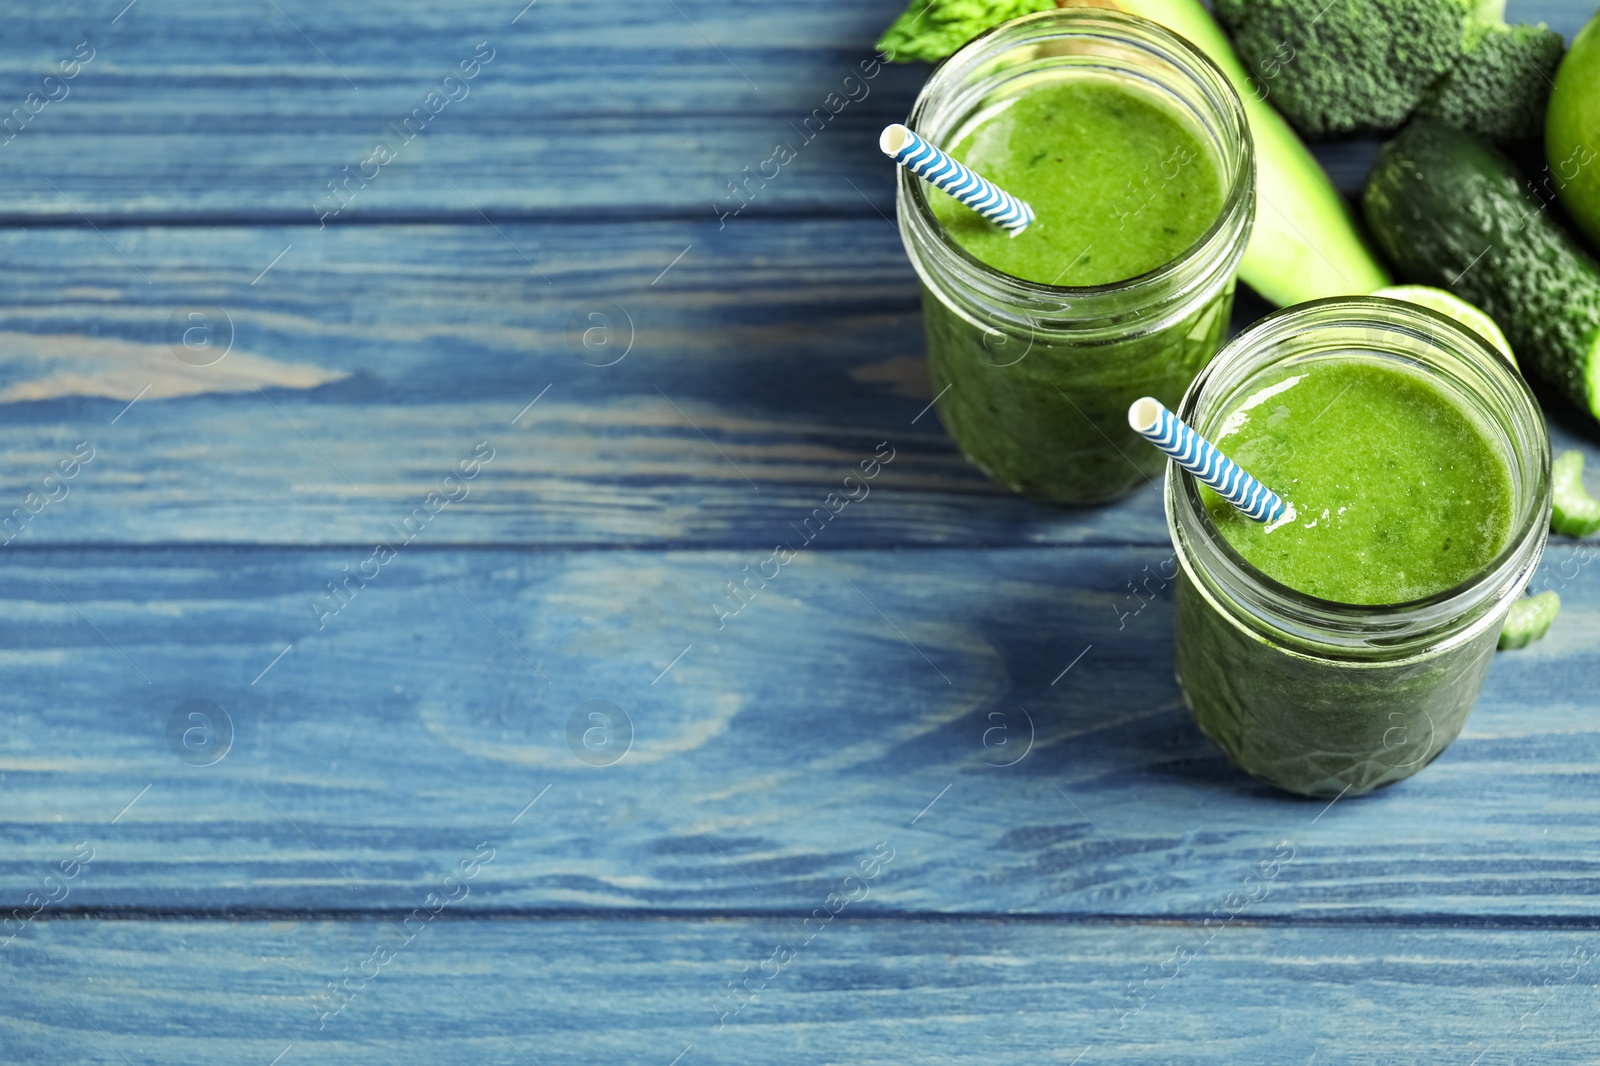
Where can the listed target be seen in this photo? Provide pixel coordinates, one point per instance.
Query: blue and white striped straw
(1197, 455)
(966, 185)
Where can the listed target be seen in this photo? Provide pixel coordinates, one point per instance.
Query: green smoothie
(1121, 184)
(1397, 493)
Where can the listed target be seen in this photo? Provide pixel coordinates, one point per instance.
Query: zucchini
(1573, 511)
(1451, 211)
(1529, 620)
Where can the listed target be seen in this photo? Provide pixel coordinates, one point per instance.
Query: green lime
(1572, 130)
(1453, 307)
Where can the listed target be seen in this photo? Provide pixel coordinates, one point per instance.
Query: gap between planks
(572, 547)
(295, 220)
(1506, 922)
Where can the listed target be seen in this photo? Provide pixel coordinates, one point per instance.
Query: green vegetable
(1502, 85)
(1572, 131)
(932, 29)
(1529, 620)
(1573, 511)
(1454, 307)
(1351, 65)
(1452, 211)
(1304, 244)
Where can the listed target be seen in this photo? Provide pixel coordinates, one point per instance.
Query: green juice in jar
(1341, 647)
(1119, 184)
(1398, 494)
(1133, 152)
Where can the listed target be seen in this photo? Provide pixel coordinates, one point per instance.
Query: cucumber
(1529, 620)
(1451, 211)
(1573, 511)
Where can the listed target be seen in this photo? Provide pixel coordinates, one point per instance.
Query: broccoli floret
(1342, 66)
(932, 29)
(1502, 85)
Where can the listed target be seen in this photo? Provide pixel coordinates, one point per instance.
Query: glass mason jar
(1034, 381)
(1323, 698)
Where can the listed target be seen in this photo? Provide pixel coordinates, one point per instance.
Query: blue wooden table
(384, 444)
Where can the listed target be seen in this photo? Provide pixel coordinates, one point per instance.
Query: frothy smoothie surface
(1398, 492)
(1118, 182)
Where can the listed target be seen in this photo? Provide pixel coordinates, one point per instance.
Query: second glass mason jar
(1323, 698)
(1032, 380)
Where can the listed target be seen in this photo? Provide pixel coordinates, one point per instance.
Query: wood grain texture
(867, 694)
(758, 373)
(859, 992)
(860, 696)
(194, 111)
(764, 366)
(262, 108)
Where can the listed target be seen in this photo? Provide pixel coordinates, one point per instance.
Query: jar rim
(981, 49)
(1524, 542)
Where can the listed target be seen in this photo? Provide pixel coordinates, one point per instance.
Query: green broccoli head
(932, 29)
(1342, 66)
(1502, 85)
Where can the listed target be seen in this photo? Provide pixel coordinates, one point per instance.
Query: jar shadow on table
(1093, 700)
(1091, 689)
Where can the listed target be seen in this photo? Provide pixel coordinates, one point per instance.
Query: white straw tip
(893, 138)
(1144, 413)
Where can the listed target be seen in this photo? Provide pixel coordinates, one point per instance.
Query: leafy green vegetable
(1573, 511)
(1359, 65)
(1502, 85)
(930, 30)
(1529, 620)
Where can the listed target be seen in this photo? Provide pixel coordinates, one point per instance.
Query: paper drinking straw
(972, 189)
(1197, 455)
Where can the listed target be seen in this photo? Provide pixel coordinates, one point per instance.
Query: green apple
(1572, 130)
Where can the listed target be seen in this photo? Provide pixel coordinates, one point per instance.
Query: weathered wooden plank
(261, 110)
(764, 367)
(759, 372)
(565, 102)
(857, 991)
(858, 697)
